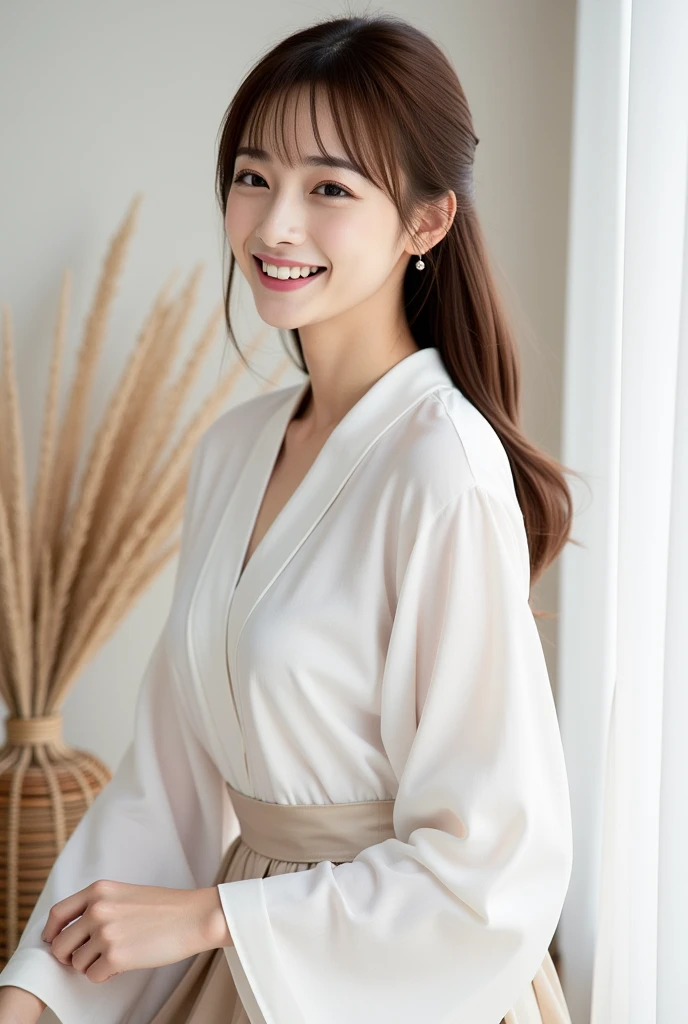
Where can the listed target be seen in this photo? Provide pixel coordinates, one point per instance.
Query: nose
(283, 221)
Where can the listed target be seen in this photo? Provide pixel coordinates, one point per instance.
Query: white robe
(379, 645)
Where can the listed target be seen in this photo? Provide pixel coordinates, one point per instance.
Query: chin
(280, 323)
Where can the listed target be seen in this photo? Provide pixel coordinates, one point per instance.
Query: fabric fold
(215, 989)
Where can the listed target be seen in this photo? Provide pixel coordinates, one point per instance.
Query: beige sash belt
(305, 833)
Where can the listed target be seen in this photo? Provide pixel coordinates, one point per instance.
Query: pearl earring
(419, 262)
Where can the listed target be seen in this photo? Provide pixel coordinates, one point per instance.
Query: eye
(333, 184)
(325, 184)
(245, 174)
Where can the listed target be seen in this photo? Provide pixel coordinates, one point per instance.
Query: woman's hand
(123, 927)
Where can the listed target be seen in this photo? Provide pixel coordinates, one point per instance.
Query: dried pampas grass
(73, 566)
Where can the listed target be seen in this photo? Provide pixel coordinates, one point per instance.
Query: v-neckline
(214, 636)
(295, 407)
(423, 370)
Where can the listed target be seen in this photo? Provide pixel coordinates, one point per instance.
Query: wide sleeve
(157, 822)
(450, 920)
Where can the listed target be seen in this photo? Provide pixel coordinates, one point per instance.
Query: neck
(337, 384)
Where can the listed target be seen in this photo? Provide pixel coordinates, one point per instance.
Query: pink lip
(289, 284)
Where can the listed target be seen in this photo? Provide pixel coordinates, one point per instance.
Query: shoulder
(224, 446)
(445, 447)
(448, 475)
(238, 424)
(217, 459)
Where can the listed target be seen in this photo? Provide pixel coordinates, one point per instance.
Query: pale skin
(353, 329)
(110, 927)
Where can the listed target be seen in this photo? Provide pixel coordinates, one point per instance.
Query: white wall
(101, 100)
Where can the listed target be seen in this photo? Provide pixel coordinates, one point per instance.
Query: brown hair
(402, 117)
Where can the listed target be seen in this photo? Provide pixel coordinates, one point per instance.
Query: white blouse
(379, 644)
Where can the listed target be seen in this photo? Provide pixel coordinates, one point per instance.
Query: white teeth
(286, 272)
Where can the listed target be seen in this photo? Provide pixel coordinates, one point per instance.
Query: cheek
(346, 235)
(359, 247)
(361, 237)
(237, 217)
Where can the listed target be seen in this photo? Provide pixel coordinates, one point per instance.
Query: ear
(433, 224)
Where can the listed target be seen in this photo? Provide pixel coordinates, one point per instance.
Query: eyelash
(347, 194)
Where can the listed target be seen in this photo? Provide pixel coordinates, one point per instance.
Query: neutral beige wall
(100, 101)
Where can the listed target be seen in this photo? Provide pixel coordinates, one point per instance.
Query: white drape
(623, 668)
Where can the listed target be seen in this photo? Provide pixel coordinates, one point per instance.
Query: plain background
(100, 101)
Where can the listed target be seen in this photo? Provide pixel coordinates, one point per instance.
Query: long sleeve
(157, 822)
(450, 920)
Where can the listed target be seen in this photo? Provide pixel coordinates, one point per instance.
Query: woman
(350, 671)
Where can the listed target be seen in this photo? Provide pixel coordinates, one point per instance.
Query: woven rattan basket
(45, 789)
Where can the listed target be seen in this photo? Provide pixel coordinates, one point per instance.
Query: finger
(63, 912)
(70, 939)
(85, 956)
(101, 970)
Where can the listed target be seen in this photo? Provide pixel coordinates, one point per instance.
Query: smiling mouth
(320, 270)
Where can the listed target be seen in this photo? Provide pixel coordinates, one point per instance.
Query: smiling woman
(281, 205)
(350, 671)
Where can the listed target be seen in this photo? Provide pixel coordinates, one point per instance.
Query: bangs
(362, 131)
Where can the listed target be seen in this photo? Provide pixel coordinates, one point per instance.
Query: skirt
(276, 838)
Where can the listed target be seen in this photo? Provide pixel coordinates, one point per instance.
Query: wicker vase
(45, 789)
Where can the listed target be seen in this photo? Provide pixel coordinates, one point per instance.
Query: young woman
(351, 672)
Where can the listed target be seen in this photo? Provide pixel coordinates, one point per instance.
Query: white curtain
(623, 661)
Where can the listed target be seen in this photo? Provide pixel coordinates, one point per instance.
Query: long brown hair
(402, 117)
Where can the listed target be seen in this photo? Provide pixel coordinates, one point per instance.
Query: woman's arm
(159, 821)
(450, 919)
(17, 1006)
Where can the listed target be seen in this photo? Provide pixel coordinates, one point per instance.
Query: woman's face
(317, 215)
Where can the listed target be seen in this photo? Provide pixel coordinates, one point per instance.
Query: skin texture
(110, 927)
(17, 1006)
(353, 329)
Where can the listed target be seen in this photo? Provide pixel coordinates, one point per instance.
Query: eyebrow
(309, 161)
